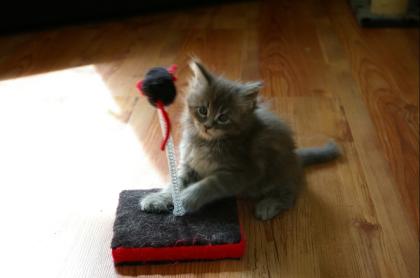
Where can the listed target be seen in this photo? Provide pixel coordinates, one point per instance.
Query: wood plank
(388, 77)
(384, 193)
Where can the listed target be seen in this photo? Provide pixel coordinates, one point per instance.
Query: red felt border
(178, 253)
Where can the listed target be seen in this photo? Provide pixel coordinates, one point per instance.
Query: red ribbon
(161, 107)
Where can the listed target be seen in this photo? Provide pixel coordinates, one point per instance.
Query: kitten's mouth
(206, 133)
(209, 134)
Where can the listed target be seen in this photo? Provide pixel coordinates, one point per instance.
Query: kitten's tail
(310, 156)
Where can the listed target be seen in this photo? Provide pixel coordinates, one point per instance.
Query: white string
(171, 159)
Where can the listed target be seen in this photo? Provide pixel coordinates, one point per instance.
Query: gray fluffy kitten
(232, 145)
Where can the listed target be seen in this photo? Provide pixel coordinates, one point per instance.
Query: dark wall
(18, 16)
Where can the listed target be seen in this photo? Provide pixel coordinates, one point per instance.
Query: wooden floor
(74, 132)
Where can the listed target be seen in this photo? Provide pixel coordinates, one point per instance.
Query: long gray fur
(250, 153)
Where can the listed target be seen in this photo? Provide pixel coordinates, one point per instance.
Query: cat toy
(214, 232)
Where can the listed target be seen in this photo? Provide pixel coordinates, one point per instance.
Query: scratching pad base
(139, 237)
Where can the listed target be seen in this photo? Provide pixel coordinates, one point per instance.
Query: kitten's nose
(207, 127)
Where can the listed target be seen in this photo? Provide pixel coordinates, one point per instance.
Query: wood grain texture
(388, 77)
(75, 132)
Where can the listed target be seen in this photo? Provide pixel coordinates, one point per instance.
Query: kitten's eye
(202, 110)
(223, 119)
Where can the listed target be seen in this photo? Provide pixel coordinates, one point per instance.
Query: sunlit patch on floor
(64, 155)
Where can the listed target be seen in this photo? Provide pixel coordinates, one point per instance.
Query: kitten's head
(219, 107)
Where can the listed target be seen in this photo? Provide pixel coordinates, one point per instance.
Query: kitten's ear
(251, 90)
(201, 74)
(249, 94)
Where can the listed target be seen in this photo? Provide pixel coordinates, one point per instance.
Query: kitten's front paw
(267, 209)
(156, 202)
(189, 199)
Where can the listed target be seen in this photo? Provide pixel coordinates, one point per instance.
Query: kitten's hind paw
(156, 202)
